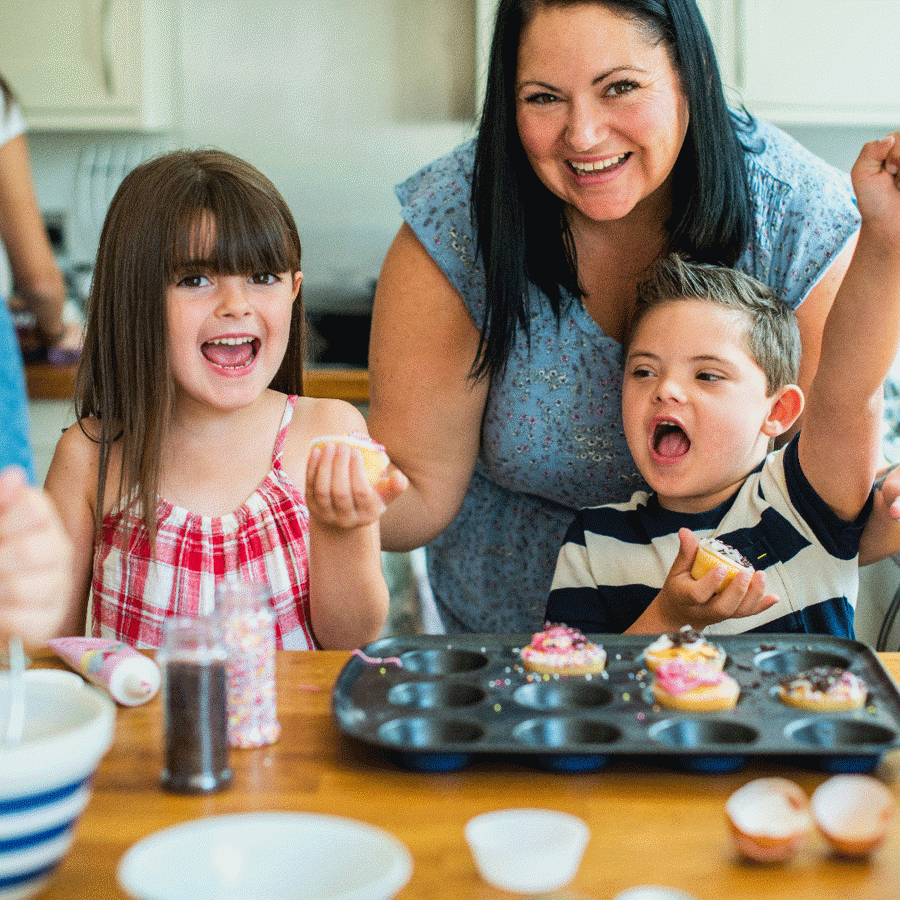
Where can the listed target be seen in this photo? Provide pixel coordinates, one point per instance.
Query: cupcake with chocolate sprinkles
(824, 689)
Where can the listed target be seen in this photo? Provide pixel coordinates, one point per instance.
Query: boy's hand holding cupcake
(720, 593)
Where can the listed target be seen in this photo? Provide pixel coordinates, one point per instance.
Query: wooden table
(649, 824)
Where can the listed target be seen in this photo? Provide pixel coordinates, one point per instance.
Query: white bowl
(653, 892)
(45, 780)
(527, 850)
(276, 855)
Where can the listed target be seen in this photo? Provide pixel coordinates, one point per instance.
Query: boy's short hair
(772, 334)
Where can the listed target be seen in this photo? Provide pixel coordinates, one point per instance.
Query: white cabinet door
(810, 62)
(823, 61)
(82, 64)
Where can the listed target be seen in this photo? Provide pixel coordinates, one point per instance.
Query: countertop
(650, 824)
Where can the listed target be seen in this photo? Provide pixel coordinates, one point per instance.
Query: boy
(710, 361)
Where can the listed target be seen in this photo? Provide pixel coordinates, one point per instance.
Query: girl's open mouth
(231, 353)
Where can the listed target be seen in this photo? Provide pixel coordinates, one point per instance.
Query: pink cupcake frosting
(677, 676)
(562, 645)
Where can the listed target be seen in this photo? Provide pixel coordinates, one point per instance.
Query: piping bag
(128, 676)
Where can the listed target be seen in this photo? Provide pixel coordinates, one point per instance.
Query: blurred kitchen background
(338, 100)
(335, 101)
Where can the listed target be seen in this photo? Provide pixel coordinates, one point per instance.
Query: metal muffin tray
(456, 697)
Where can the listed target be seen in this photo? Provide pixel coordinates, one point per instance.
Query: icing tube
(130, 677)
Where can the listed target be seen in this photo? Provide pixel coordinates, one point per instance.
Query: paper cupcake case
(455, 698)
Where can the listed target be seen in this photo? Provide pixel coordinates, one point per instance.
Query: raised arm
(840, 440)
(424, 407)
(811, 316)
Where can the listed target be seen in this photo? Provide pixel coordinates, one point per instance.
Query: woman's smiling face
(600, 110)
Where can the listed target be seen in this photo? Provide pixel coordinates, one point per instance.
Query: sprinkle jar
(195, 726)
(248, 629)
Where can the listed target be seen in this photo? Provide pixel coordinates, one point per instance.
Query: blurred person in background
(38, 286)
(35, 552)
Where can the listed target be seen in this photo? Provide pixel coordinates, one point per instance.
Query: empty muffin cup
(527, 851)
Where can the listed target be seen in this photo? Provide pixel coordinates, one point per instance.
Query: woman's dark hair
(522, 233)
(160, 220)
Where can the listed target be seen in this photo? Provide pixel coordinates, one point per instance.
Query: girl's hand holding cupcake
(339, 490)
(348, 595)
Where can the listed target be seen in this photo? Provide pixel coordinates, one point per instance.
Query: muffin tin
(454, 698)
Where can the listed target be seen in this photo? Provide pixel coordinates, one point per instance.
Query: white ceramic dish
(653, 892)
(276, 855)
(527, 851)
(45, 779)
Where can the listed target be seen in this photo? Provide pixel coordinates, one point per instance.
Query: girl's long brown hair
(124, 380)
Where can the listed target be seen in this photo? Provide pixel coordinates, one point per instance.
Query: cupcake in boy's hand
(694, 687)
(561, 650)
(711, 553)
(824, 689)
(686, 644)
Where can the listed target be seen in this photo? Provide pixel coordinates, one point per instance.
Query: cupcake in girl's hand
(686, 644)
(561, 650)
(374, 457)
(694, 687)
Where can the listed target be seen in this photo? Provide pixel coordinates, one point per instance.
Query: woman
(605, 142)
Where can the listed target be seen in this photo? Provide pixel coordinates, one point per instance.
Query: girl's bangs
(234, 236)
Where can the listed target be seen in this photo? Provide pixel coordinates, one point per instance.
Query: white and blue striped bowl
(45, 781)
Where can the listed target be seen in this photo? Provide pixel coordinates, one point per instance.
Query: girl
(190, 442)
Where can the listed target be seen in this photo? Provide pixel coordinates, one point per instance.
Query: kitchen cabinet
(90, 64)
(809, 62)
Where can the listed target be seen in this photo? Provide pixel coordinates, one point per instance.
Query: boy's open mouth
(669, 440)
(231, 353)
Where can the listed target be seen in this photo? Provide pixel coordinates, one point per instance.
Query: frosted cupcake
(686, 644)
(561, 650)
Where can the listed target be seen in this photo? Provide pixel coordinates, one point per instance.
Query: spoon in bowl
(15, 708)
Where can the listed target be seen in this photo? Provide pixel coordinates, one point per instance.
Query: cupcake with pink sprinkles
(562, 650)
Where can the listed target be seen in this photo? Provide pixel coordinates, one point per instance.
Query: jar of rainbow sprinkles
(248, 630)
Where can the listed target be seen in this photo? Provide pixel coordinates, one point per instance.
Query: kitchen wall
(335, 100)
